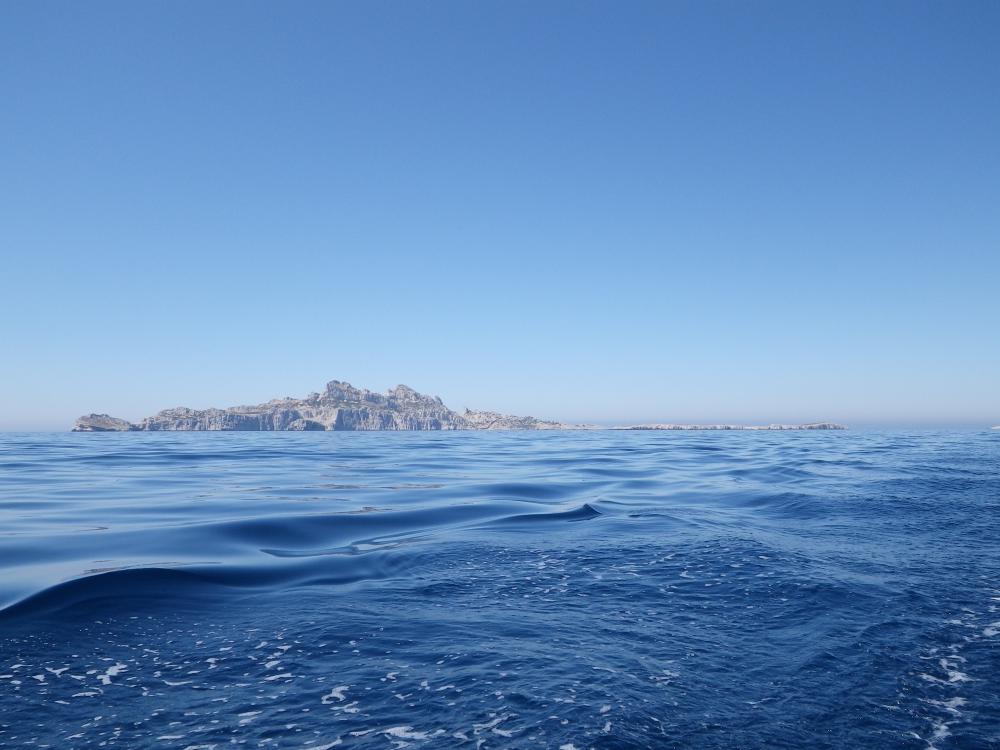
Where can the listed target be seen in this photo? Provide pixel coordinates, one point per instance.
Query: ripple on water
(375, 590)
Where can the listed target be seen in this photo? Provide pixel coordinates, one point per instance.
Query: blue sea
(562, 590)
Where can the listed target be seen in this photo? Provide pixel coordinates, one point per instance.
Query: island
(341, 406)
(809, 426)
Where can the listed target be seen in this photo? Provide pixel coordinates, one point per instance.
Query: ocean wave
(585, 589)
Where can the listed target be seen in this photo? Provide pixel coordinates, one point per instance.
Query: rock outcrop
(491, 420)
(102, 423)
(340, 406)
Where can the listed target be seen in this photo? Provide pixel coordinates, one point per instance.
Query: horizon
(862, 424)
(686, 213)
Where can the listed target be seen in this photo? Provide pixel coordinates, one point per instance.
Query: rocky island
(341, 406)
(810, 426)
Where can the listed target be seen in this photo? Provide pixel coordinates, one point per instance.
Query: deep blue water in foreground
(500, 590)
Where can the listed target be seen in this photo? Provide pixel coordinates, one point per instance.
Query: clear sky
(592, 211)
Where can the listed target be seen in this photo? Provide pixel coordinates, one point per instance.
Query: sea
(565, 590)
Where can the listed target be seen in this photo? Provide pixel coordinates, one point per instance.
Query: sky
(587, 211)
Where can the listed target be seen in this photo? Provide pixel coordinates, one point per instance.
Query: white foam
(951, 705)
(337, 692)
(493, 726)
(954, 675)
(941, 731)
(409, 733)
(112, 672)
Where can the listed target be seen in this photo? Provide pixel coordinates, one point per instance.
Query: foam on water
(584, 590)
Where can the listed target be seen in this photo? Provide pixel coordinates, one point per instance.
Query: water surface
(500, 590)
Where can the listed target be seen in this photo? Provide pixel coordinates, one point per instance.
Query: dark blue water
(500, 590)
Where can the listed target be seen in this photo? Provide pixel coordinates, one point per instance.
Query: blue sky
(579, 210)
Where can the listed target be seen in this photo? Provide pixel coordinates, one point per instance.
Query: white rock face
(340, 406)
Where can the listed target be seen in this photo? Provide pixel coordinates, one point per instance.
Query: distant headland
(343, 407)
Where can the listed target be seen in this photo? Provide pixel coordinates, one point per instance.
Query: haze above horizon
(586, 212)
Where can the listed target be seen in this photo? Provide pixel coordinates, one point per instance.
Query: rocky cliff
(340, 406)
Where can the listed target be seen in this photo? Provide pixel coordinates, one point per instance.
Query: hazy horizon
(608, 417)
(686, 212)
